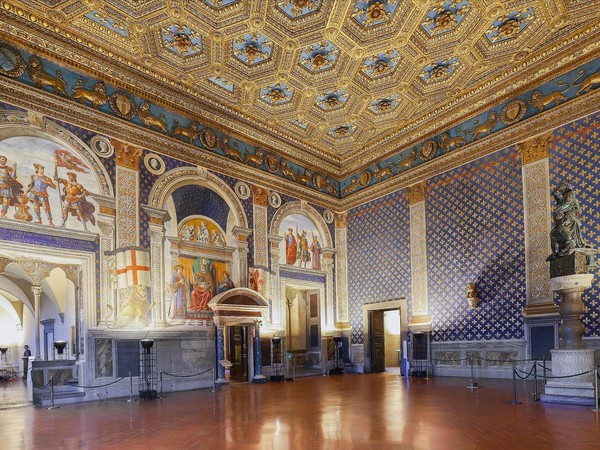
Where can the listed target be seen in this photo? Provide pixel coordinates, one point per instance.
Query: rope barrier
(187, 376)
(99, 385)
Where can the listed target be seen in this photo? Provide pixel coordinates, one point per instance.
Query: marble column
(261, 245)
(221, 380)
(540, 309)
(328, 254)
(420, 321)
(37, 296)
(241, 234)
(156, 229)
(341, 271)
(277, 303)
(258, 375)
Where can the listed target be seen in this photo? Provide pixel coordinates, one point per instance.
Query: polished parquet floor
(375, 411)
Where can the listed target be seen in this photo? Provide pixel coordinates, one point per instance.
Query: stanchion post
(597, 408)
(514, 400)
(214, 380)
(544, 367)
(535, 380)
(52, 394)
(161, 385)
(473, 384)
(130, 388)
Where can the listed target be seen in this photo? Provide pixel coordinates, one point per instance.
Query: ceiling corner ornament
(11, 62)
(154, 164)
(181, 40)
(328, 216)
(295, 9)
(274, 199)
(445, 16)
(440, 70)
(242, 190)
(369, 13)
(513, 112)
(332, 100)
(381, 64)
(385, 104)
(252, 48)
(101, 146)
(342, 131)
(509, 26)
(276, 94)
(319, 56)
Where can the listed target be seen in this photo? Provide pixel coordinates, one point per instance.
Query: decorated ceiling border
(34, 71)
(559, 90)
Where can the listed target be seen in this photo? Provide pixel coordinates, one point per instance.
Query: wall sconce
(472, 295)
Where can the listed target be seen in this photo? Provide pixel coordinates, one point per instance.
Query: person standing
(315, 249)
(26, 355)
(9, 186)
(178, 288)
(291, 247)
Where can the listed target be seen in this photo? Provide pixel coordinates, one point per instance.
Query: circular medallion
(274, 199)
(101, 146)
(272, 163)
(209, 139)
(242, 190)
(429, 149)
(154, 164)
(122, 105)
(318, 181)
(513, 112)
(11, 63)
(365, 178)
(328, 216)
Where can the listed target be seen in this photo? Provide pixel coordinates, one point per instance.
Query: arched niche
(307, 211)
(176, 178)
(44, 128)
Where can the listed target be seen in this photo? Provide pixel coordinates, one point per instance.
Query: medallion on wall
(122, 105)
(154, 164)
(209, 139)
(513, 112)
(242, 190)
(102, 147)
(274, 199)
(328, 216)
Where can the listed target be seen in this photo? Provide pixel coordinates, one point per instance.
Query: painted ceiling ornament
(369, 13)
(342, 131)
(298, 8)
(332, 100)
(107, 22)
(222, 82)
(381, 64)
(439, 71)
(445, 16)
(319, 56)
(220, 3)
(276, 94)
(509, 25)
(181, 40)
(385, 104)
(300, 123)
(252, 48)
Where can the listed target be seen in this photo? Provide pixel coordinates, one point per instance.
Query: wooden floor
(377, 411)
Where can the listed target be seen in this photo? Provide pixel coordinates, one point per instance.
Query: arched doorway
(238, 314)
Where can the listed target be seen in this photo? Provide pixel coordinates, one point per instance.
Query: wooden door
(238, 352)
(376, 334)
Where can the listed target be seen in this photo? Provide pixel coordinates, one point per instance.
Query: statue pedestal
(574, 390)
(571, 358)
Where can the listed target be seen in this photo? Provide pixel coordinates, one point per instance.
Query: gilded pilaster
(536, 199)
(419, 320)
(261, 245)
(241, 235)
(341, 269)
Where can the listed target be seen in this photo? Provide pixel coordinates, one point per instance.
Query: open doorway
(236, 352)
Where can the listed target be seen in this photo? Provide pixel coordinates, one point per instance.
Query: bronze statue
(566, 232)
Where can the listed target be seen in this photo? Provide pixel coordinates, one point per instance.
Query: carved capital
(341, 220)
(534, 149)
(416, 193)
(127, 155)
(37, 290)
(260, 195)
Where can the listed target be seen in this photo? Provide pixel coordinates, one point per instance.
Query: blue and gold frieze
(378, 255)
(574, 154)
(475, 234)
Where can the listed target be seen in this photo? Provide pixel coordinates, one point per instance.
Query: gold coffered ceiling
(334, 84)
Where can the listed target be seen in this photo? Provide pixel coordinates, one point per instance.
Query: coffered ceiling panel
(340, 84)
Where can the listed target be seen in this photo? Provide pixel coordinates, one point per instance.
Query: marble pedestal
(578, 390)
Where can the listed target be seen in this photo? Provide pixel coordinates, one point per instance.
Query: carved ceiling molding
(68, 35)
(540, 124)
